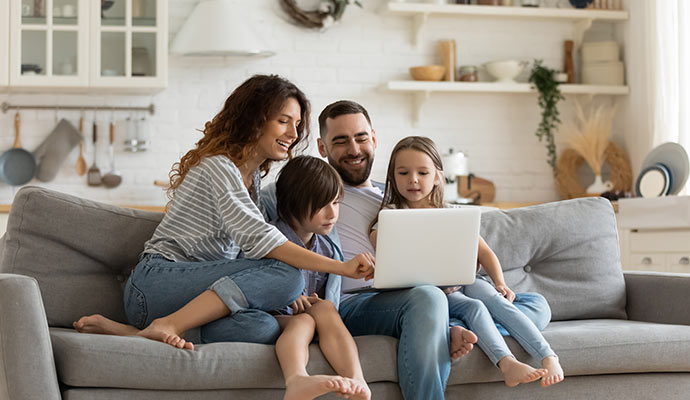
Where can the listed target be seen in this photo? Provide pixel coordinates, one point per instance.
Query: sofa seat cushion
(595, 347)
(90, 360)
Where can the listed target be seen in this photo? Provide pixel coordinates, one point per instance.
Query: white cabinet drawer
(679, 262)
(647, 262)
(660, 241)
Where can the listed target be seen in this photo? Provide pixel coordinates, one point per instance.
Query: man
(418, 317)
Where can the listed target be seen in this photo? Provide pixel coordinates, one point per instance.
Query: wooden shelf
(581, 19)
(423, 89)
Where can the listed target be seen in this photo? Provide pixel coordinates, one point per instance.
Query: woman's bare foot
(360, 390)
(461, 341)
(163, 331)
(99, 324)
(515, 372)
(302, 387)
(554, 372)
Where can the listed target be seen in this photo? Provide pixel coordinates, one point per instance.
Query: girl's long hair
(236, 129)
(391, 195)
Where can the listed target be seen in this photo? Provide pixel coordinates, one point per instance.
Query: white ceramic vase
(599, 186)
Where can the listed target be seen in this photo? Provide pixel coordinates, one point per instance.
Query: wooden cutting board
(472, 186)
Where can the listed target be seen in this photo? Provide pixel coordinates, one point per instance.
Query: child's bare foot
(301, 387)
(554, 372)
(516, 372)
(461, 341)
(360, 390)
(99, 324)
(162, 331)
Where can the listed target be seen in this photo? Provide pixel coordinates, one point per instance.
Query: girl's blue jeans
(480, 307)
(249, 288)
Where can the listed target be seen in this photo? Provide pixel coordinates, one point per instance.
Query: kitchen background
(353, 59)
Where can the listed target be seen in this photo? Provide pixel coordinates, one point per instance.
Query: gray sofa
(619, 336)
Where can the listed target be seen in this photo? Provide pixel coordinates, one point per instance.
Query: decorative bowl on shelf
(428, 72)
(505, 71)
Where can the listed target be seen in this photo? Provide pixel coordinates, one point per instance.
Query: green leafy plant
(549, 96)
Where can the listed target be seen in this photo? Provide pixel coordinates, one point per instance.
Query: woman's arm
(487, 258)
(361, 266)
(372, 237)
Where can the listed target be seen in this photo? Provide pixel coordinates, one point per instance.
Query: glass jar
(468, 73)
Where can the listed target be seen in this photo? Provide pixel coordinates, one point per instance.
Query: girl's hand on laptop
(361, 266)
(506, 292)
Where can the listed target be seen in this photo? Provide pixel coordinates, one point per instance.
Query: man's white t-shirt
(357, 209)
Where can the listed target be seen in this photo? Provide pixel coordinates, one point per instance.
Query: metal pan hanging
(17, 166)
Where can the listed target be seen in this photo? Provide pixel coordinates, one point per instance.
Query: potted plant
(543, 80)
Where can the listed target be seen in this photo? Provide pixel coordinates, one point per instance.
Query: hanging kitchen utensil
(81, 161)
(54, 150)
(113, 178)
(17, 166)
(93, 178)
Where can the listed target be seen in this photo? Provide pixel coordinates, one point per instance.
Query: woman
(189, 274)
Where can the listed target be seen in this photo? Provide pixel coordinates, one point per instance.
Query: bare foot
(162, 331)
(515, 372)
(461, 341)
(554, 372)
(99, 324)
(360, 390)
(300, 387)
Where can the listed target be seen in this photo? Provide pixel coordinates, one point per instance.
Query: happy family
(265, 266)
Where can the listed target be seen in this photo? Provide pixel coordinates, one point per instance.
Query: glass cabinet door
(132, 43)
(4, 42)
(49, 42)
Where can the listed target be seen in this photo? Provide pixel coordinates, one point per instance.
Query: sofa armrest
(658, 297)
(27, 366)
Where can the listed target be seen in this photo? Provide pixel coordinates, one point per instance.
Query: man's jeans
(159, 287)
(418, 317)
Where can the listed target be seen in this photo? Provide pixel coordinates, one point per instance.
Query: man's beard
(350, 178)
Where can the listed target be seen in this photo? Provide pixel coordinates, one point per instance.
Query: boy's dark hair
(341, 107)
(304, 186)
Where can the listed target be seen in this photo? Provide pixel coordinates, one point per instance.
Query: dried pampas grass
(589, 136)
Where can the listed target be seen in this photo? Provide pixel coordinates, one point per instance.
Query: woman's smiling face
(280, 132)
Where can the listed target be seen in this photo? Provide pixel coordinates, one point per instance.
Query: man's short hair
(305, 185)
(341, 107)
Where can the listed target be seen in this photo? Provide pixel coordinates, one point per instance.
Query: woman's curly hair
(236, 129)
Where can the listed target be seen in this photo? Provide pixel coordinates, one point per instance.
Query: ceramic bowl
(505, 71)
(428, 72)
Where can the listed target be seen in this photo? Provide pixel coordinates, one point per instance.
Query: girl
(414, 180)
(308, 192)
(189, 274)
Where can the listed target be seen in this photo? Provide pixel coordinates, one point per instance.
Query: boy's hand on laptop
(506, 292)
(361, 266)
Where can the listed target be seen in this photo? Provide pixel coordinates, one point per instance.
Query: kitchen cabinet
(130, 44)
(88, 45)
(662, 250)
(4, 43)
(420, 13)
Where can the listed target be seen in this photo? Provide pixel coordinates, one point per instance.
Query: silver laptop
(436, 246)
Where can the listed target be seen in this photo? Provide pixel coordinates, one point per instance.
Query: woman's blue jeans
(249, 288)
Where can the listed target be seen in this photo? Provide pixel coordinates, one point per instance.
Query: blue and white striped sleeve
(240, 217)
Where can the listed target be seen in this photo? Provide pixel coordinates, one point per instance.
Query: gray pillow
(79, 251)
(567, 251)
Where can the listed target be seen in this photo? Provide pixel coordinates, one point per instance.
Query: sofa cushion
(90, 360)
(595, 347)
(79, 251)
(568, 251)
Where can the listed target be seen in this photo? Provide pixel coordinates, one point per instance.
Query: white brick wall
(351, 60)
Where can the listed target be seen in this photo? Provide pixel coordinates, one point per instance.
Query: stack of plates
(664, 171)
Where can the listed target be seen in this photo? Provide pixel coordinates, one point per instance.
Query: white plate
(675, 158)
